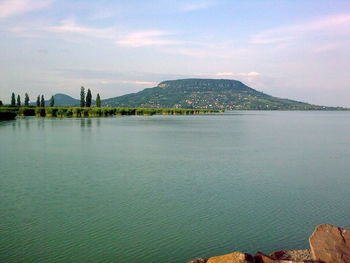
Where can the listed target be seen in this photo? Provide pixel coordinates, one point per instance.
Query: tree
(52, 101)
(1, 103)
(38, 101)
(88, 98)
(13, 99)
(26, 99)
(98, 100)
(42, 103)
(18, 100)
(82, 97)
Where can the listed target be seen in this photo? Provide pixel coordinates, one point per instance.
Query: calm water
(170, 188)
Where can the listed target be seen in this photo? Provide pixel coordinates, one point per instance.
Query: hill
(63, 100)
(208, 94)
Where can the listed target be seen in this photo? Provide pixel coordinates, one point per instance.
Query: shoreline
(328, 244)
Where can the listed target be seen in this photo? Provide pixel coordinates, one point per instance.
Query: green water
(170, 188)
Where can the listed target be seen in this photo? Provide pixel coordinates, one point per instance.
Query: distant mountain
(63, 100)
(207, 93)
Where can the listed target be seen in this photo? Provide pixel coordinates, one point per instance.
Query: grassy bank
(62, 112)
(7, 115)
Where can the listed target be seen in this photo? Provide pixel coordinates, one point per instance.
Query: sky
(296, 49)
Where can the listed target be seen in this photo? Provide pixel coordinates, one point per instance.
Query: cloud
(137, 82)
(146, 38)
(339, 24)
(224, 74)
(134, 39)
(250, 74)
(69, 26)
(9, 8)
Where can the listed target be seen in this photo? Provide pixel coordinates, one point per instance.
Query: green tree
(82, 97)
(42, 103)
(38, 101)
(18, 100)
(98, 100)
(1, 103)
(26, 99)
(13, 99)
(88, 98)
(52, 101)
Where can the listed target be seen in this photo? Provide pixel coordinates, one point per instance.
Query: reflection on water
(85, 122)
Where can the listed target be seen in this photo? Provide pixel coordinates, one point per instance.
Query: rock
(199, 260)
(262, 258)
(330, 244)
(296, 255)
(235, 257)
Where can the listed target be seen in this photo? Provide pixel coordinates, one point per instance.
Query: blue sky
(291, 49)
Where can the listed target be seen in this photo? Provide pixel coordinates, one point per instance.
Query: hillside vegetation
(207, 94)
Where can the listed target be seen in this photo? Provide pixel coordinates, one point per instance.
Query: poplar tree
(13, 99)
(88, 98)
(26, 99)
(1, 103)
(18, 100)
(38, 101)
(98, 100)
(52, 101)
(82, 97)
(42, 104)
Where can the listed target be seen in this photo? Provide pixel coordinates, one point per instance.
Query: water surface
(170, 188)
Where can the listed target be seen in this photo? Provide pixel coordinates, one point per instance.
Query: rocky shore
(328, 244)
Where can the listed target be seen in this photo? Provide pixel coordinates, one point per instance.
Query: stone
(198, 260)
(296, 255)
(330, 244)
(262, 258)
(235, 257)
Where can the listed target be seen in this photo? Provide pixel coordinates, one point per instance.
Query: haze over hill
(207, 93)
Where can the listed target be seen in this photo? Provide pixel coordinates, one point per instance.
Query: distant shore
(10, 112)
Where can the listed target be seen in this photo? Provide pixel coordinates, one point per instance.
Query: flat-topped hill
(207, 93)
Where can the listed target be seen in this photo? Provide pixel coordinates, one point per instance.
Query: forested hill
(61, 100)
(207, 93)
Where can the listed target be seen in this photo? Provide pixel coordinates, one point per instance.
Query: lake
(170, 188)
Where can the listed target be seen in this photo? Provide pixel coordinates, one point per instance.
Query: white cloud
(339, 24)
(137, 82)
(224, 74)
(135, 39)
(9, 8)
(69, 26)
(146, 38)
(249, 74)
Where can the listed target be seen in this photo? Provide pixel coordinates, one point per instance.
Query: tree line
(85, 101)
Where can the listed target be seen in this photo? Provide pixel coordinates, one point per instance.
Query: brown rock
(235, 257)
(199, 260)
(262, 258)
(330, 244)
(296, 255)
